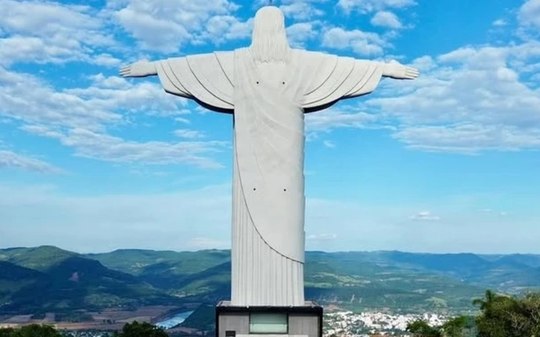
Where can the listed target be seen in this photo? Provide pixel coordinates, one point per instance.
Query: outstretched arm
(139, 69)
(398, 71)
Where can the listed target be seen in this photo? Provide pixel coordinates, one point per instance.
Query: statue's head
(269, 42)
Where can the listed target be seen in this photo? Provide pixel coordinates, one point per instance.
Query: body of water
(175, 320)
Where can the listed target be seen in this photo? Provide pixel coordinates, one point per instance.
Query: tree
(6, 332)
(494, 320)
(505, 316)
(486, 302)
(455, 327)
(33, 330)
(460, 326)
(144, 329)
(421, 328)
(526, 315)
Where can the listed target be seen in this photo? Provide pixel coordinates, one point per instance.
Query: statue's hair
(269, 42)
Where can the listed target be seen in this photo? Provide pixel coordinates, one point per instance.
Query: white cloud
(223, 28)
(358, 225)
(322, 237)
(206, 243)
(365, 225)
(425, 216)
(101, 146)
(116, 93)
(9, 159)
(199, 218)
(529, 13)
(26, 98)
(386, 19)
(471, 138)
(468, 100)
(79, 118)
(300, 10)
(329, 144)
(106, 60)
(301, 32)
(29, 48)
(363, 43)
(176, 220)
(331, 119)
(166, 25)
(47, 17)
(29, 99)
(189, 134)
(52, 33)
(494, 212)
(367, 6)
(500, 23)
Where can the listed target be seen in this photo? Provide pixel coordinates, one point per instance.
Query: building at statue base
(269, 321)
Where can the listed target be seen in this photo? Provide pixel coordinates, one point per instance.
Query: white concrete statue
(268, 87)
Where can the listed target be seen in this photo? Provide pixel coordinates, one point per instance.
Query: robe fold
(268, 182)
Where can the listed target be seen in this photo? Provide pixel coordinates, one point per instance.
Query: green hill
(134, 261)
(352, 280)
(13, 278)
(169, 270)
(151, 262)
(12, 272)
(77, 283)
(38, 258)
(51, 279)
(507, 273)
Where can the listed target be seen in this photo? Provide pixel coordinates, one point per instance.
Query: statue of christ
(268, 87)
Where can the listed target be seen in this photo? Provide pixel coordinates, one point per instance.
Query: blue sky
(449, 162)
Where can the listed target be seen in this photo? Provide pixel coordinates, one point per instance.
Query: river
(175, 320)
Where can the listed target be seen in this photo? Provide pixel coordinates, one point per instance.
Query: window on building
(268, 323)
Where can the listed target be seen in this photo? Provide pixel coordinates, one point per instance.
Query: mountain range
(49, 279)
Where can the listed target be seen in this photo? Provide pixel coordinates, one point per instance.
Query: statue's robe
(268, 184)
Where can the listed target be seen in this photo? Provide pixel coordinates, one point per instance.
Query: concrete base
(238, 321)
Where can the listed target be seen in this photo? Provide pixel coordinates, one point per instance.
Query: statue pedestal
(270, 321)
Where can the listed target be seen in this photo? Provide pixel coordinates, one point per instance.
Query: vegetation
(500, 316)
(461, 326)
(201, 319)
(67, 282)
(421, 328)
(38, 258)
(505, 316)
(144, 329)
(148, 262)
(134, 329)
(34, 330)
(75, 283)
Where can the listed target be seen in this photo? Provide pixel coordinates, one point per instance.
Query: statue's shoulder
(222, 58)
(311, 59)
(241, 51)
(296, 51)
(225, 55)
(308, 54)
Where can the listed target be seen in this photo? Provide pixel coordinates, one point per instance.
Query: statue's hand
(139, 69)
(397, 70)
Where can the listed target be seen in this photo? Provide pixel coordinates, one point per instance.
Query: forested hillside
(45, 279)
